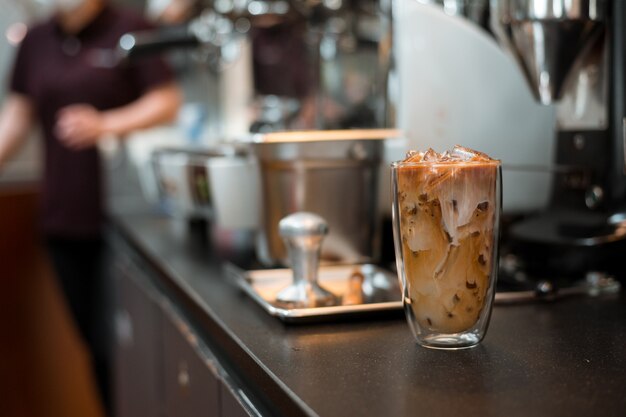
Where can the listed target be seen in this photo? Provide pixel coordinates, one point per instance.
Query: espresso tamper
(303, 234)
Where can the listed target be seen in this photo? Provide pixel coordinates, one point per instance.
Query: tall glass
(446, 227)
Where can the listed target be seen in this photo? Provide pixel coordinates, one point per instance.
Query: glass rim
(399, 164)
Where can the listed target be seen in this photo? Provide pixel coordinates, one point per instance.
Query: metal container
(182, 182)
(363, 291)
(548, 38)
(217, 184)
(334, 174)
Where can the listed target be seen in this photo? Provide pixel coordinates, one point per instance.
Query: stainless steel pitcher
(333, 174)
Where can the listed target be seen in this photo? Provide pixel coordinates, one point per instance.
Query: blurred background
(45, 368)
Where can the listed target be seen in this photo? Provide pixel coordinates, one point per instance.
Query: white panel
(458, 86)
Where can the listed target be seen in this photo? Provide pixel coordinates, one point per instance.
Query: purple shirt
(55, 70)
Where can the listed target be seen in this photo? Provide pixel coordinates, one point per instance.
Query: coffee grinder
(571, 52)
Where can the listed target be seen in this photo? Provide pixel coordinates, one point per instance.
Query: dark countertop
(566, 358)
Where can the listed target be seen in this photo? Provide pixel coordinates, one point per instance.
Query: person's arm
(16, 119)
(80, 126)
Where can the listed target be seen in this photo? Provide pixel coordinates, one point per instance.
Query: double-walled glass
(446, 227)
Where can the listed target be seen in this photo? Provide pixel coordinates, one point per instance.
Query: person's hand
(79, 126)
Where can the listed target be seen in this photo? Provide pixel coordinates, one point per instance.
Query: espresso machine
(285, 64)
(538, 84)
(572, 55)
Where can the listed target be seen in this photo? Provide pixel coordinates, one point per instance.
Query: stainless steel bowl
(186, 178)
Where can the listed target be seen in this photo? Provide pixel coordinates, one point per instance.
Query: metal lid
(326, 135)
(302, 224)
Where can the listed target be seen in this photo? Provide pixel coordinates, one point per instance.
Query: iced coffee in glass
(446, 212)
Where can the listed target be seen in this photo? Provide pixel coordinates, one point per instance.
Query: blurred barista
(66, 78)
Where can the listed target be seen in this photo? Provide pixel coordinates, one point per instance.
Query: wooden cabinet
(191, 379)
(162, 368)
(138, 389)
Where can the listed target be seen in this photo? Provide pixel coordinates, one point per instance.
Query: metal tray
(369, 289)
(363, 290)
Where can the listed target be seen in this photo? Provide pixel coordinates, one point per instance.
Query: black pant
(80, 269)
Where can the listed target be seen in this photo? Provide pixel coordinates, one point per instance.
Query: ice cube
(456, 154)
(445, 157)
(430, 156)
(466, 154)
(414, 156)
